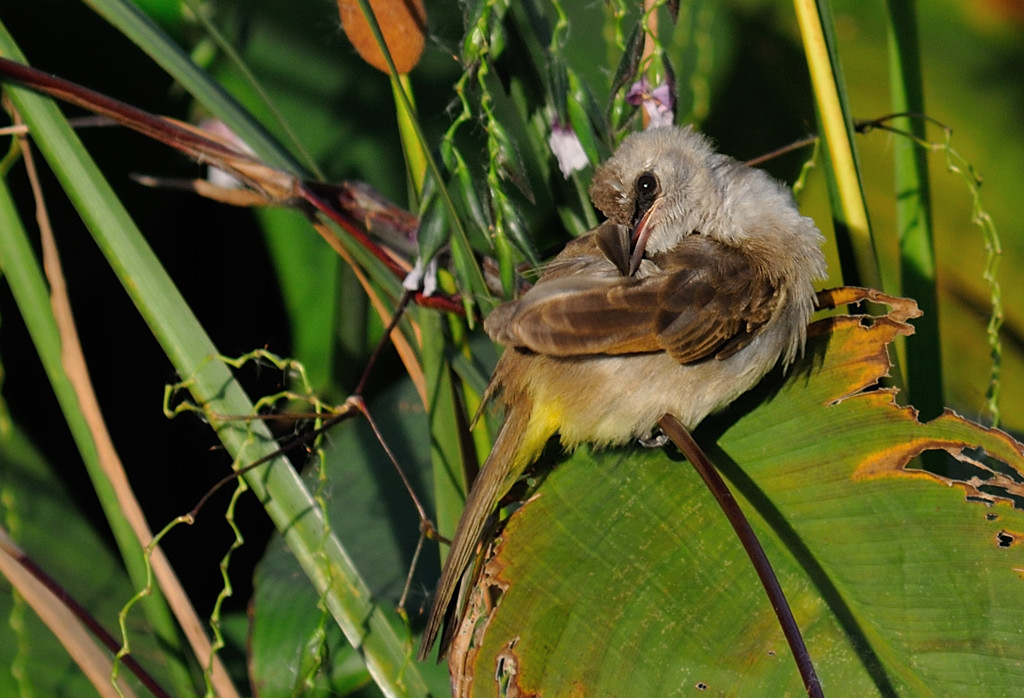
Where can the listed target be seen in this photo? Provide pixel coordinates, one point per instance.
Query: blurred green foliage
(746, 86)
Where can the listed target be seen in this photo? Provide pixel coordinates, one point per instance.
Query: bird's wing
(704, 299)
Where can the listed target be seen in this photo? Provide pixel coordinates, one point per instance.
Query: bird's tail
(518, 444)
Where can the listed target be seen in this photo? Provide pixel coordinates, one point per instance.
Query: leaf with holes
(620, 575)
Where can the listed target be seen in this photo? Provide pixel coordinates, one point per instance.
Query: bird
(699, 282)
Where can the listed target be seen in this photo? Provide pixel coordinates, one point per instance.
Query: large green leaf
(621, 577)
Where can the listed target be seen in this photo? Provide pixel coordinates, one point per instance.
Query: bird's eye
(646, 185)
(647, 190)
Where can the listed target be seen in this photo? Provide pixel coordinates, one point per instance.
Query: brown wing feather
(581, 315)
(706, 300)
(712, 301)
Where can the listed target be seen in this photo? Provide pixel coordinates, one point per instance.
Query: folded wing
(704, 299)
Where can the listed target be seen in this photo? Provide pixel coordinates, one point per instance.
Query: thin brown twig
(396, 317)
(861, 126)
(339, 414)
(353, 405)
(412, 568)
(424, 519)
(706, 469)
(276, 186)
(778, 152)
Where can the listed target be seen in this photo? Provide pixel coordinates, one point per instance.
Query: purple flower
(567, 149)
(657, 102)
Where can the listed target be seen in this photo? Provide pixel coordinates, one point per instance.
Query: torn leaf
(621, 577)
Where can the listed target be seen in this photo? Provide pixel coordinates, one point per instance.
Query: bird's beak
(640, 235)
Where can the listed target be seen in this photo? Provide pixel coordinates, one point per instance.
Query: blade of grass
(225, 46)
(913, 209)
(288, 503)
(31, 295)
(415, 155)
(138, 28)
(851, 216)
(450, 483)
(74, 366)
(442, 402)
(418, 153)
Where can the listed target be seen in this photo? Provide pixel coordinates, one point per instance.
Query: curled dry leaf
(403, 24)
(620, 576)
(960, 438)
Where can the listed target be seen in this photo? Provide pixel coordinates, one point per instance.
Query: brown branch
(706, 469)
(276, 187)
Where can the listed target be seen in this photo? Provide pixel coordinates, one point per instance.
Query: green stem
(851, 215)
(913, 209)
